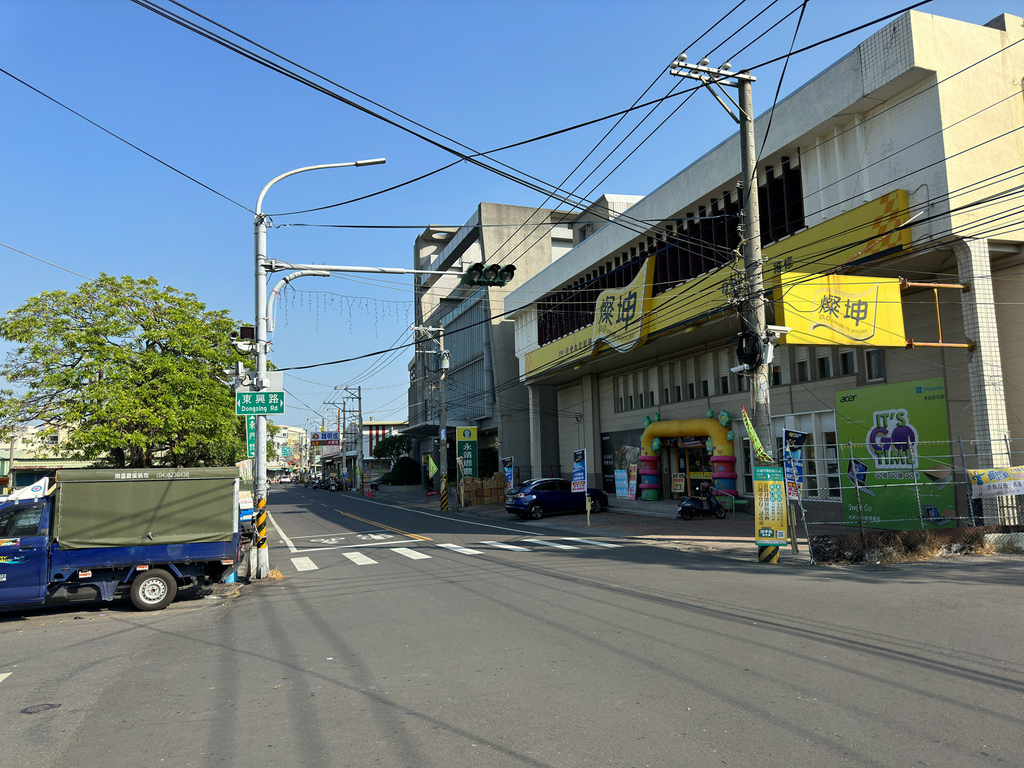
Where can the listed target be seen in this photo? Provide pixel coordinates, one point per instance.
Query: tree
(392, 447)
(130, 368)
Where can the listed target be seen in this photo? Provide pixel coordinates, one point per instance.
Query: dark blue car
(551, 495)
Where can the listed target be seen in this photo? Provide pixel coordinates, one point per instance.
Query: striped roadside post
(444, 493)
(768, 554)
(262, 556)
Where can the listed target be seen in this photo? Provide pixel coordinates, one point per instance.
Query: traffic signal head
(488, 274)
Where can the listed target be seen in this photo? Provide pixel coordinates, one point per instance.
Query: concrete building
(483, 386)
(902, 160)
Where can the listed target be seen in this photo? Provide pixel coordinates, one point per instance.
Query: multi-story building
(902, 160)
(483, 389)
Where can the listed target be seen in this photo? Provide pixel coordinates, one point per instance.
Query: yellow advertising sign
(866, 233)
(842, 309)
(619, 313)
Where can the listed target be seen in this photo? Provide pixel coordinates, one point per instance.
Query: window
(679, 393)
(666, 400)
(691, 379)
(776, 375)
(631, 406)
(691, 393)
(802, 371)
(748, 472)
(705, 376)
(641, 399)
(847, 362)
(621, 404)
(832, 465)
(723, 371)
(825, 366)
(651, 393)
(875, 368)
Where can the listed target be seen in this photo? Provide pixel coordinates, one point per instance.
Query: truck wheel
(153, 590)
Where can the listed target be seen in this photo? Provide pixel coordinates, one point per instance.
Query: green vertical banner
(467, 450)
(899, 475)
(769, 506)
(250, 435)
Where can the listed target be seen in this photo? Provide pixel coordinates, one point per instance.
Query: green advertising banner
(467, 450)
(899, 476)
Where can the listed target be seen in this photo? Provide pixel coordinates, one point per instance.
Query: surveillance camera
(778, 330)
(739, 369)
(232, 335)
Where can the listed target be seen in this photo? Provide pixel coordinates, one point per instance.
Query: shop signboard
(467, 450)
(899, 474)
(579, 471)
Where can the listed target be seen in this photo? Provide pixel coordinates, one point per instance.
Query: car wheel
(536, 511)
(153, 590)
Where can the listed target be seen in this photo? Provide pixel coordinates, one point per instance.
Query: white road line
(553, 544)
(502, 545)
(411, 553)
(304, 564)
(359, 558)
(4, 676)
(592, 541)
(291, 547)
(460, 550)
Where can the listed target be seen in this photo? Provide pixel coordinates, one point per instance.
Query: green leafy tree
(130, 367)
(392, 447)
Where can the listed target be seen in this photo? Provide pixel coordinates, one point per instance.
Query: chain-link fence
(909, 500)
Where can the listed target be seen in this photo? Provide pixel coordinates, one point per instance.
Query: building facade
(902, 160)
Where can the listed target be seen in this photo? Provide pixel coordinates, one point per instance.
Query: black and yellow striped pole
(262, 556)
(444, 493)
(768, 554)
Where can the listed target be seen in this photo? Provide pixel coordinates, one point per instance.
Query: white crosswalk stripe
(461, 550)
(553, 544)
(592, 541)
(304, 564)
(359, 558)
(501, 545)
(412, 554)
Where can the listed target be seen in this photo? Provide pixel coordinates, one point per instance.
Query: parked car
(550, 495)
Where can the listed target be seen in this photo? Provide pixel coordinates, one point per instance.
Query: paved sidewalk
(654, 521)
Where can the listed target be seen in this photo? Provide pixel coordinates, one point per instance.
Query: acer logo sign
(847, 399)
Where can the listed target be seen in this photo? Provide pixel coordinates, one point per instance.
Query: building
(902, 160)
(483, 388)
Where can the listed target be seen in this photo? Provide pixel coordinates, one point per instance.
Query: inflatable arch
(720, 439)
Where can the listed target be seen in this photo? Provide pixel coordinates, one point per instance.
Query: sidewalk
(652, 521)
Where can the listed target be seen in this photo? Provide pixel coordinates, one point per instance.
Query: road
(405, 638)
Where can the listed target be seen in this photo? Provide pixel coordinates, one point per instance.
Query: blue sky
(485, 74)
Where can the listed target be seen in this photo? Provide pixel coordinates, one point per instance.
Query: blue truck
(97, 534)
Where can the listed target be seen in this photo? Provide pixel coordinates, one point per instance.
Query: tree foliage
(130, 368)
(392, 447)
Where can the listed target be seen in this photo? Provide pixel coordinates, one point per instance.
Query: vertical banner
(793, 462)
(250, 435)
(507, 465)
(631, 483)
(467, 450)
(769, 507)
(900, 462)
(579, 471)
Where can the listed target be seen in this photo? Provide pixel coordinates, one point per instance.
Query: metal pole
(754, 310)
(260, 459)
(359, 469)
(442, 424)
(260, 453)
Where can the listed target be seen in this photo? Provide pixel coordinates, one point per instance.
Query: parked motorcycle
(706, 503)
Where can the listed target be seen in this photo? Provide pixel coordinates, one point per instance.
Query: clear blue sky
(483, 73)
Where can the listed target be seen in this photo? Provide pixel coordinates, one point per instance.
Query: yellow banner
(755, 441)
(842, 309)
(619, 313)
(868, 232)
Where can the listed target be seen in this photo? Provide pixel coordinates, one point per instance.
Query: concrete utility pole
(442, 419)
(758, 363)
(360, 468)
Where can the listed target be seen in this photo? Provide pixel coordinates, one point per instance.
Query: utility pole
(758, 361)
(359, 468)
(442, 418)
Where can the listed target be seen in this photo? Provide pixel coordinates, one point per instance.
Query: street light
(260, 468)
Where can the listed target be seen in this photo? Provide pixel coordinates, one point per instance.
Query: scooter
(700, 505)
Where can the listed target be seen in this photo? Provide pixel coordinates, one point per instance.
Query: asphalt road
(405, 638)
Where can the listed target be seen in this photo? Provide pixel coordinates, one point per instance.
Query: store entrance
(691, 463)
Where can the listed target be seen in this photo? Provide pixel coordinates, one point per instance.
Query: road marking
(592, 541)
(287, 541)
(304, 564)
(502, 545)
(359, 558)
(4, 676)
(460, 550)
(412, 554)
(553, 544)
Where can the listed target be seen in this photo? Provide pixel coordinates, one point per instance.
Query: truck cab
(24, 533)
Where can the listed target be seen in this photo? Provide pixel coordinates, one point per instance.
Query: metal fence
(909, 501)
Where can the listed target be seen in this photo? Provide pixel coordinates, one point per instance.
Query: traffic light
(488, 274)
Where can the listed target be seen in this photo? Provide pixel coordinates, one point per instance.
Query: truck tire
(153, 590)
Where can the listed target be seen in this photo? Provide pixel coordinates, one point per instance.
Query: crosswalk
(361, 558)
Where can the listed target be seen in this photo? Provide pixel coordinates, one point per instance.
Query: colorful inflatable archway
(723, 458)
